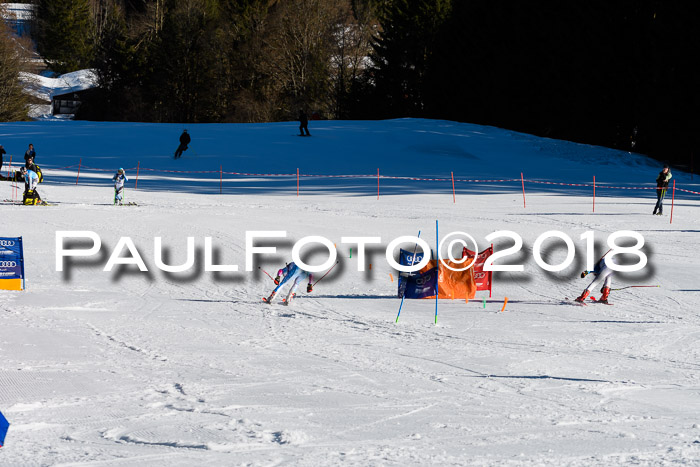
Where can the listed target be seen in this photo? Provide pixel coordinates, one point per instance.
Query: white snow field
(180, 369)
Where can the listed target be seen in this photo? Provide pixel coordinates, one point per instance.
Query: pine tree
(64, 34)
(402, 53)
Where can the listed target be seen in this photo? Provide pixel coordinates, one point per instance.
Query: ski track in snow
(127, 368)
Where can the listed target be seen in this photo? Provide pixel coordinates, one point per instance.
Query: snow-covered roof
(18, 11)
(46, 88)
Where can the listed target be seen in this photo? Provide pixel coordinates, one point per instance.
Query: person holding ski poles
(603, 274)
(293, 274)
(119, 180)
(661, 188)
(185, 140)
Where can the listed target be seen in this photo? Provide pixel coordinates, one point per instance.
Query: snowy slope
(131, 368)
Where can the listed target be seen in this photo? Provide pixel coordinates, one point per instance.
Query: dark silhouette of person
(2, 151)
(303, 124)
(661, 188)
(184, 142)
(30, 153)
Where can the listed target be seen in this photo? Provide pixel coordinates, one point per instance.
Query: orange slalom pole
(454, 198)
(138, 165)
(673, 196)
(594, 193)
(505, 302)
(80, 162)
(522, 179)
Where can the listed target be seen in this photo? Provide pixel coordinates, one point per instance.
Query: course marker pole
(221, 179)
(437, 272)
(505, 302)
(673, 197)
(377, 183)
(522, 179)
(297, 182)
(138, 165)
(80, 162)
(403, 295)
(594, 193)
(454, 198)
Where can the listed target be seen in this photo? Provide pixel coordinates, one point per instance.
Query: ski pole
(403, 295)
(336, 263)
(268, 275)
(630, 286)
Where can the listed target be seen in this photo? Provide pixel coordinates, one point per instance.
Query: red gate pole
(523, 181)
(673, 197)
(80, 162)
(138, 165)
(377, 183)
(221, 179)
(454, 198)
(9, 171)
(594, 193)
(297, 181)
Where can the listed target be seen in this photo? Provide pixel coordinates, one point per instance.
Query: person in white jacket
(119, 180)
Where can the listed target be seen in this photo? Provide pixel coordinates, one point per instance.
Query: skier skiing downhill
(119, 180)
(293, 274)
(602, 274)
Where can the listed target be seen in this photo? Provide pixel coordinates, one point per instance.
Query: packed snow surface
(155, 368)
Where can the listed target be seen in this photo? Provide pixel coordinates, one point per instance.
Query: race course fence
(298, 176)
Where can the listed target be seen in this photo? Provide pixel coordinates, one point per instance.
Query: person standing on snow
(661, 188)
(603, 274)
(184, 142)
(119, 180)
(293, 274)
(2, 151)
(303, 124)
(30, 153)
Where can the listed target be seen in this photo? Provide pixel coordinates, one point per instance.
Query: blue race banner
(421, 285)
(408, 258)
(11, 263)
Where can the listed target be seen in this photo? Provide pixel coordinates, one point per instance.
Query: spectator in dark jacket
(184, 142)
(30, 153)
(661, 187)
(2, 151)
(303, 124)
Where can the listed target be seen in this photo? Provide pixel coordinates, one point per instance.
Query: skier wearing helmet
(119, 180)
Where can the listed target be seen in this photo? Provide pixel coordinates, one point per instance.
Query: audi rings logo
(7, 243)
(8, 264)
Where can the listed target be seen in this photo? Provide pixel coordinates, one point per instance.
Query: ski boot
(604, 297)
(268, 300)
(583, 296)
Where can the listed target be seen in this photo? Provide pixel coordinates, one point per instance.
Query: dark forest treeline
(618, 73)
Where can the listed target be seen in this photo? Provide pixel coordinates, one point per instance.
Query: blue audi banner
(11, 263)
(408, 258)
(421, 285)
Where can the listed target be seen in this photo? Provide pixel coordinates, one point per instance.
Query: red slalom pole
(80, 162)
(454, 198)
(594, 193)
(673, 197)
(138, 165)
(221, 179)
(522, 179)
